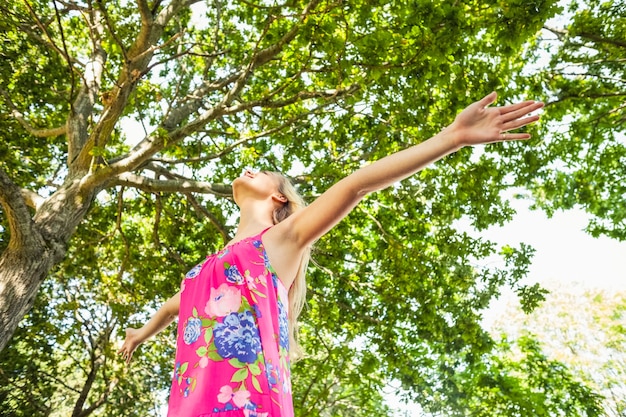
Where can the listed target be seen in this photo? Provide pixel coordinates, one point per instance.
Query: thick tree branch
(172, 9)
(170, 186)
(79, 152)
(138, 57)
(145, 12)
(32, 199)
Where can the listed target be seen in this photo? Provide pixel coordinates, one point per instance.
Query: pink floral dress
(232, 349)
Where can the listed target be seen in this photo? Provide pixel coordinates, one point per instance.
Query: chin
(235, 186)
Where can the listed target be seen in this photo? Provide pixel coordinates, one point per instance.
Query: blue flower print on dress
(271, 372)
(227, 407)
(186, 384)
(238, 337)
(266, 263)
(249, 412)
(283, 326)
(257, 311)
(192, 329)
(193, 272)
(266, 260)
(257, 243)
(232, 274)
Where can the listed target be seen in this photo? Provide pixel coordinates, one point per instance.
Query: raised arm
(477, 124)
(161, 319)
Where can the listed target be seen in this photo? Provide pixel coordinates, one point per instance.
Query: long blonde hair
(297, 291)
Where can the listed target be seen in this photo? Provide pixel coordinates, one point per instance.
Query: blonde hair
(297, 291)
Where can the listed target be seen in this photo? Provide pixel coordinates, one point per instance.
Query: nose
(248, 172)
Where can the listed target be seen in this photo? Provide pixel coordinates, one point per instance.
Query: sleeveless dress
(232, 348)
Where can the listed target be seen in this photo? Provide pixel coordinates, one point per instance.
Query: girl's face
(258, 184)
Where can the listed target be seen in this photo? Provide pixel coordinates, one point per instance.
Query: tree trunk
(28, 259)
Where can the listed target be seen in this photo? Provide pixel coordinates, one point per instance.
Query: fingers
(127, 356)
(488, 99)
(515, 116)
(515, 111)
(519, 122)
(126, 353)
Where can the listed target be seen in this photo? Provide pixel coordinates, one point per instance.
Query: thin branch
(158, 209)
(206, 213)
(601, 40)
(572, 75)
(154, 48)
(44, 28)
(261, 7)
(66, 54)
(258, 59)
(59, 380)
(152, 144)
(118, 229)
(240, 142)
(188, 51)
(585, 96)
(301, 96)
(40, 133)
(562, 33)
(112, 31)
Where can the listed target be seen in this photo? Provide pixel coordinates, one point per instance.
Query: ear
(279, 198)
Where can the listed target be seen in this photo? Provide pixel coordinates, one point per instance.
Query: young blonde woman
(237, 310)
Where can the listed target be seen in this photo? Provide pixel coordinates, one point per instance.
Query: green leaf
(254, 368)
(240, 375)
(236, 363)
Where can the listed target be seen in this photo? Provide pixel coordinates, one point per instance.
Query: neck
(253, 220)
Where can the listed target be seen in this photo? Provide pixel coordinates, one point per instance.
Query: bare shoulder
(283, 251)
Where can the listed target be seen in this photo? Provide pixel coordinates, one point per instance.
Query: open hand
(479, 124)
(131, 342)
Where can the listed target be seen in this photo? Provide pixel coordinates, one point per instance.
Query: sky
(564, 251)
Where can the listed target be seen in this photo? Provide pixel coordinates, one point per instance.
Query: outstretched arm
(477, 124)
(161, 319)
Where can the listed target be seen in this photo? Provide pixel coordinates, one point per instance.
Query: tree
(123, 123)
(583, 85)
